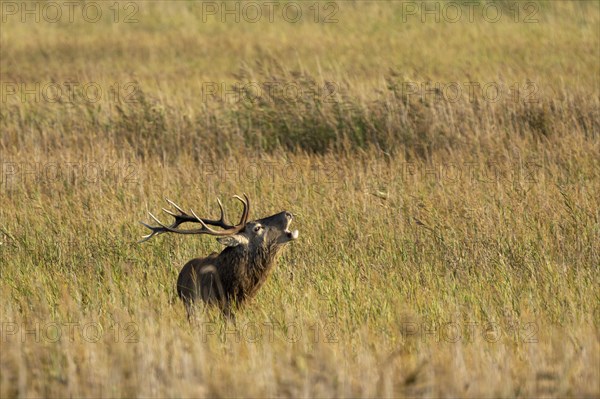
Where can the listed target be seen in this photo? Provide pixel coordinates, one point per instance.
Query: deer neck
(258, 267)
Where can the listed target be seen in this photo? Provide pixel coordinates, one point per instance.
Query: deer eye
(257, 228)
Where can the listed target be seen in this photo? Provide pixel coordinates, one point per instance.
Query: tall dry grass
(448, 247)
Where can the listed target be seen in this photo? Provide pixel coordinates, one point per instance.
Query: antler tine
(162, 228)
(248, 208)
(222, 219)
(204, 226)
(246, 211)
(183, 217)
(174, 205)
(247, 202)
(237, 197)
(148, 236)
(157, 221)
(155, 229)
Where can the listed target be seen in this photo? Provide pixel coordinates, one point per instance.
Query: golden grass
(447, 248)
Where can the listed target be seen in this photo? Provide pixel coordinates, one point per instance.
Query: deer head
(236, 274)
(265, 232)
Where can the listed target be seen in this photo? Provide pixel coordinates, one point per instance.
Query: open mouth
(287, 234)
(291, 235)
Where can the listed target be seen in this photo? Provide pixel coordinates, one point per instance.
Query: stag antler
(183, 217)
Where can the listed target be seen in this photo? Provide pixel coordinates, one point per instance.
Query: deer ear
(233, 241)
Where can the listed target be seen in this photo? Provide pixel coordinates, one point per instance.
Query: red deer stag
(229, 278)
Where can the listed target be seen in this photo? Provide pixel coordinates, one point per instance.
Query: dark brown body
(225, 279)
(230, 278)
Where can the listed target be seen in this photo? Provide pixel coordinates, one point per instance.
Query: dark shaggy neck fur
(233, 276)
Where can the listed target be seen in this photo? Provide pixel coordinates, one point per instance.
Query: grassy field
(444, 175)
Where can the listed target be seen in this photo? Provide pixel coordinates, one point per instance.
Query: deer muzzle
(281, 222)
(290, 235)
